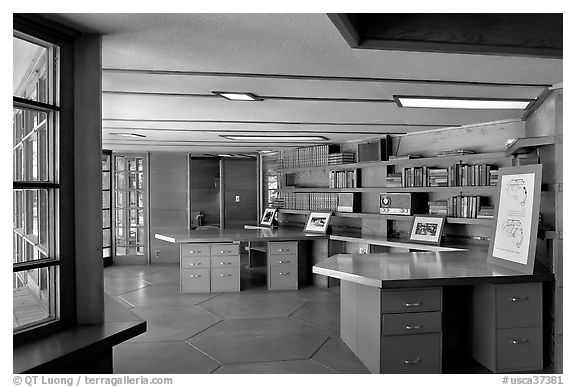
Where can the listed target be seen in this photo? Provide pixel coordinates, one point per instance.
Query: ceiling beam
(265, 97)
(303, 123)
(327, 78)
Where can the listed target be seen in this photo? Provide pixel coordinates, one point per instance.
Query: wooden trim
(319, 78)
(460, 48)
(34, 185)
(530, 109)
(36, 264)
(281, 122)
(261, 97)
(344, 25)
(30, 104)
(191, 130)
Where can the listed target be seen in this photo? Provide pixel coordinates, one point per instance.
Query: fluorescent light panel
(460, 103)
(275, 138)
(233, 96)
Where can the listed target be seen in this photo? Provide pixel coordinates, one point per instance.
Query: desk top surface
(421, 269)
(228, 235)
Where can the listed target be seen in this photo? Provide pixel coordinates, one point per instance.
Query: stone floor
(255, 331)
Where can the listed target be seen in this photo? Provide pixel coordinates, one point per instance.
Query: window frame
(61, 173)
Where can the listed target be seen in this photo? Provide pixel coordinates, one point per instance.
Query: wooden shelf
(523, 145)
(476, 157)
(475, 190)
(480, 222)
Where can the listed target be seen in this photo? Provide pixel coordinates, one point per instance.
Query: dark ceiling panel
(538, 35)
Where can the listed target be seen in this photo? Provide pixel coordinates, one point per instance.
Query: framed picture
(427, 229)
(318, 222)
(268, 217)
(513, 242)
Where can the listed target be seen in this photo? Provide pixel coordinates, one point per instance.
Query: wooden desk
(398, 310)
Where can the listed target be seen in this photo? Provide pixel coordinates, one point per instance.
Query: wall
(168, 201)
(205, 188)
(240, 179)
(547, 120)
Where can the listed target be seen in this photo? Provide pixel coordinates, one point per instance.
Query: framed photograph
(513, 242)
(427, 229)
(318, 222)
(268, 217)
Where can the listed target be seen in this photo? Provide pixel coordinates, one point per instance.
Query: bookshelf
(465, 190)
(523, 145)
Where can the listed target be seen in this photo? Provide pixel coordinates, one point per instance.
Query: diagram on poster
(514, 218)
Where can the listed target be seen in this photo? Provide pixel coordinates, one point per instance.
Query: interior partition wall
(130, 203)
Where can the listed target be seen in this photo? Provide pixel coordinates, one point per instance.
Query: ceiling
(160, 71)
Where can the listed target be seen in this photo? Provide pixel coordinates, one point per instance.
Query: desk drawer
(283, 248)
(281, 260)
(411, 323)
(223, 249)
(195, 262)
(283, 277)
(411, 354)
(419, 300)
(225, 261)
(518, 305)
(225, 280)
(195, 250)
(195, 280)
(519, 349)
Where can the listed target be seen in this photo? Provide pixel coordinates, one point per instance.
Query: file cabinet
(283, 265)
(209, 267)
(411, 331)
(507, 327)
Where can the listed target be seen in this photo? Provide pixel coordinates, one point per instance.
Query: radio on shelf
(395, 203)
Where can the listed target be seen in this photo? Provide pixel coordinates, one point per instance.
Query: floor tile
(256, 340)
(324, 315)
(313, 293)
(337, 356)
(276, 367)
(164, 295)
(120, 285)
(173, 322)
(262, 304)
(161, 358)
(168, 276)
(128, 271)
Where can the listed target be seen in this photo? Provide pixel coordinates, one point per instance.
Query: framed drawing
(516, 210)
(427, 229)
(268, 217)
(318, 222)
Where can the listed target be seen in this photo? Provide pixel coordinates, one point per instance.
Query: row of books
(340, 158)
(309, 201)
(311, 156)
(461, 207)
(457, 175)
(344, 179)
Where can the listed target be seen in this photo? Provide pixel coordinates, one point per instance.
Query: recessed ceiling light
(275, 138)
(233, 96)
(225, 155)
(410, 101)
(127, 134)
(266, 151)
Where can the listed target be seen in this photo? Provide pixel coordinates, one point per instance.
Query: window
(36, 263)
(106, 206)
(270, 177)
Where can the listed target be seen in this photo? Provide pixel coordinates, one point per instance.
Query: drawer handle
(196, 276)
(519, 341)
(195, 252)
(225, 275)
(225, 251)
(283, 261)
(286, 273)
(518, 299)
(412, 362)
(412, 304)
(412, 327)
(225, 263)
(195, 263)
(282, 250)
